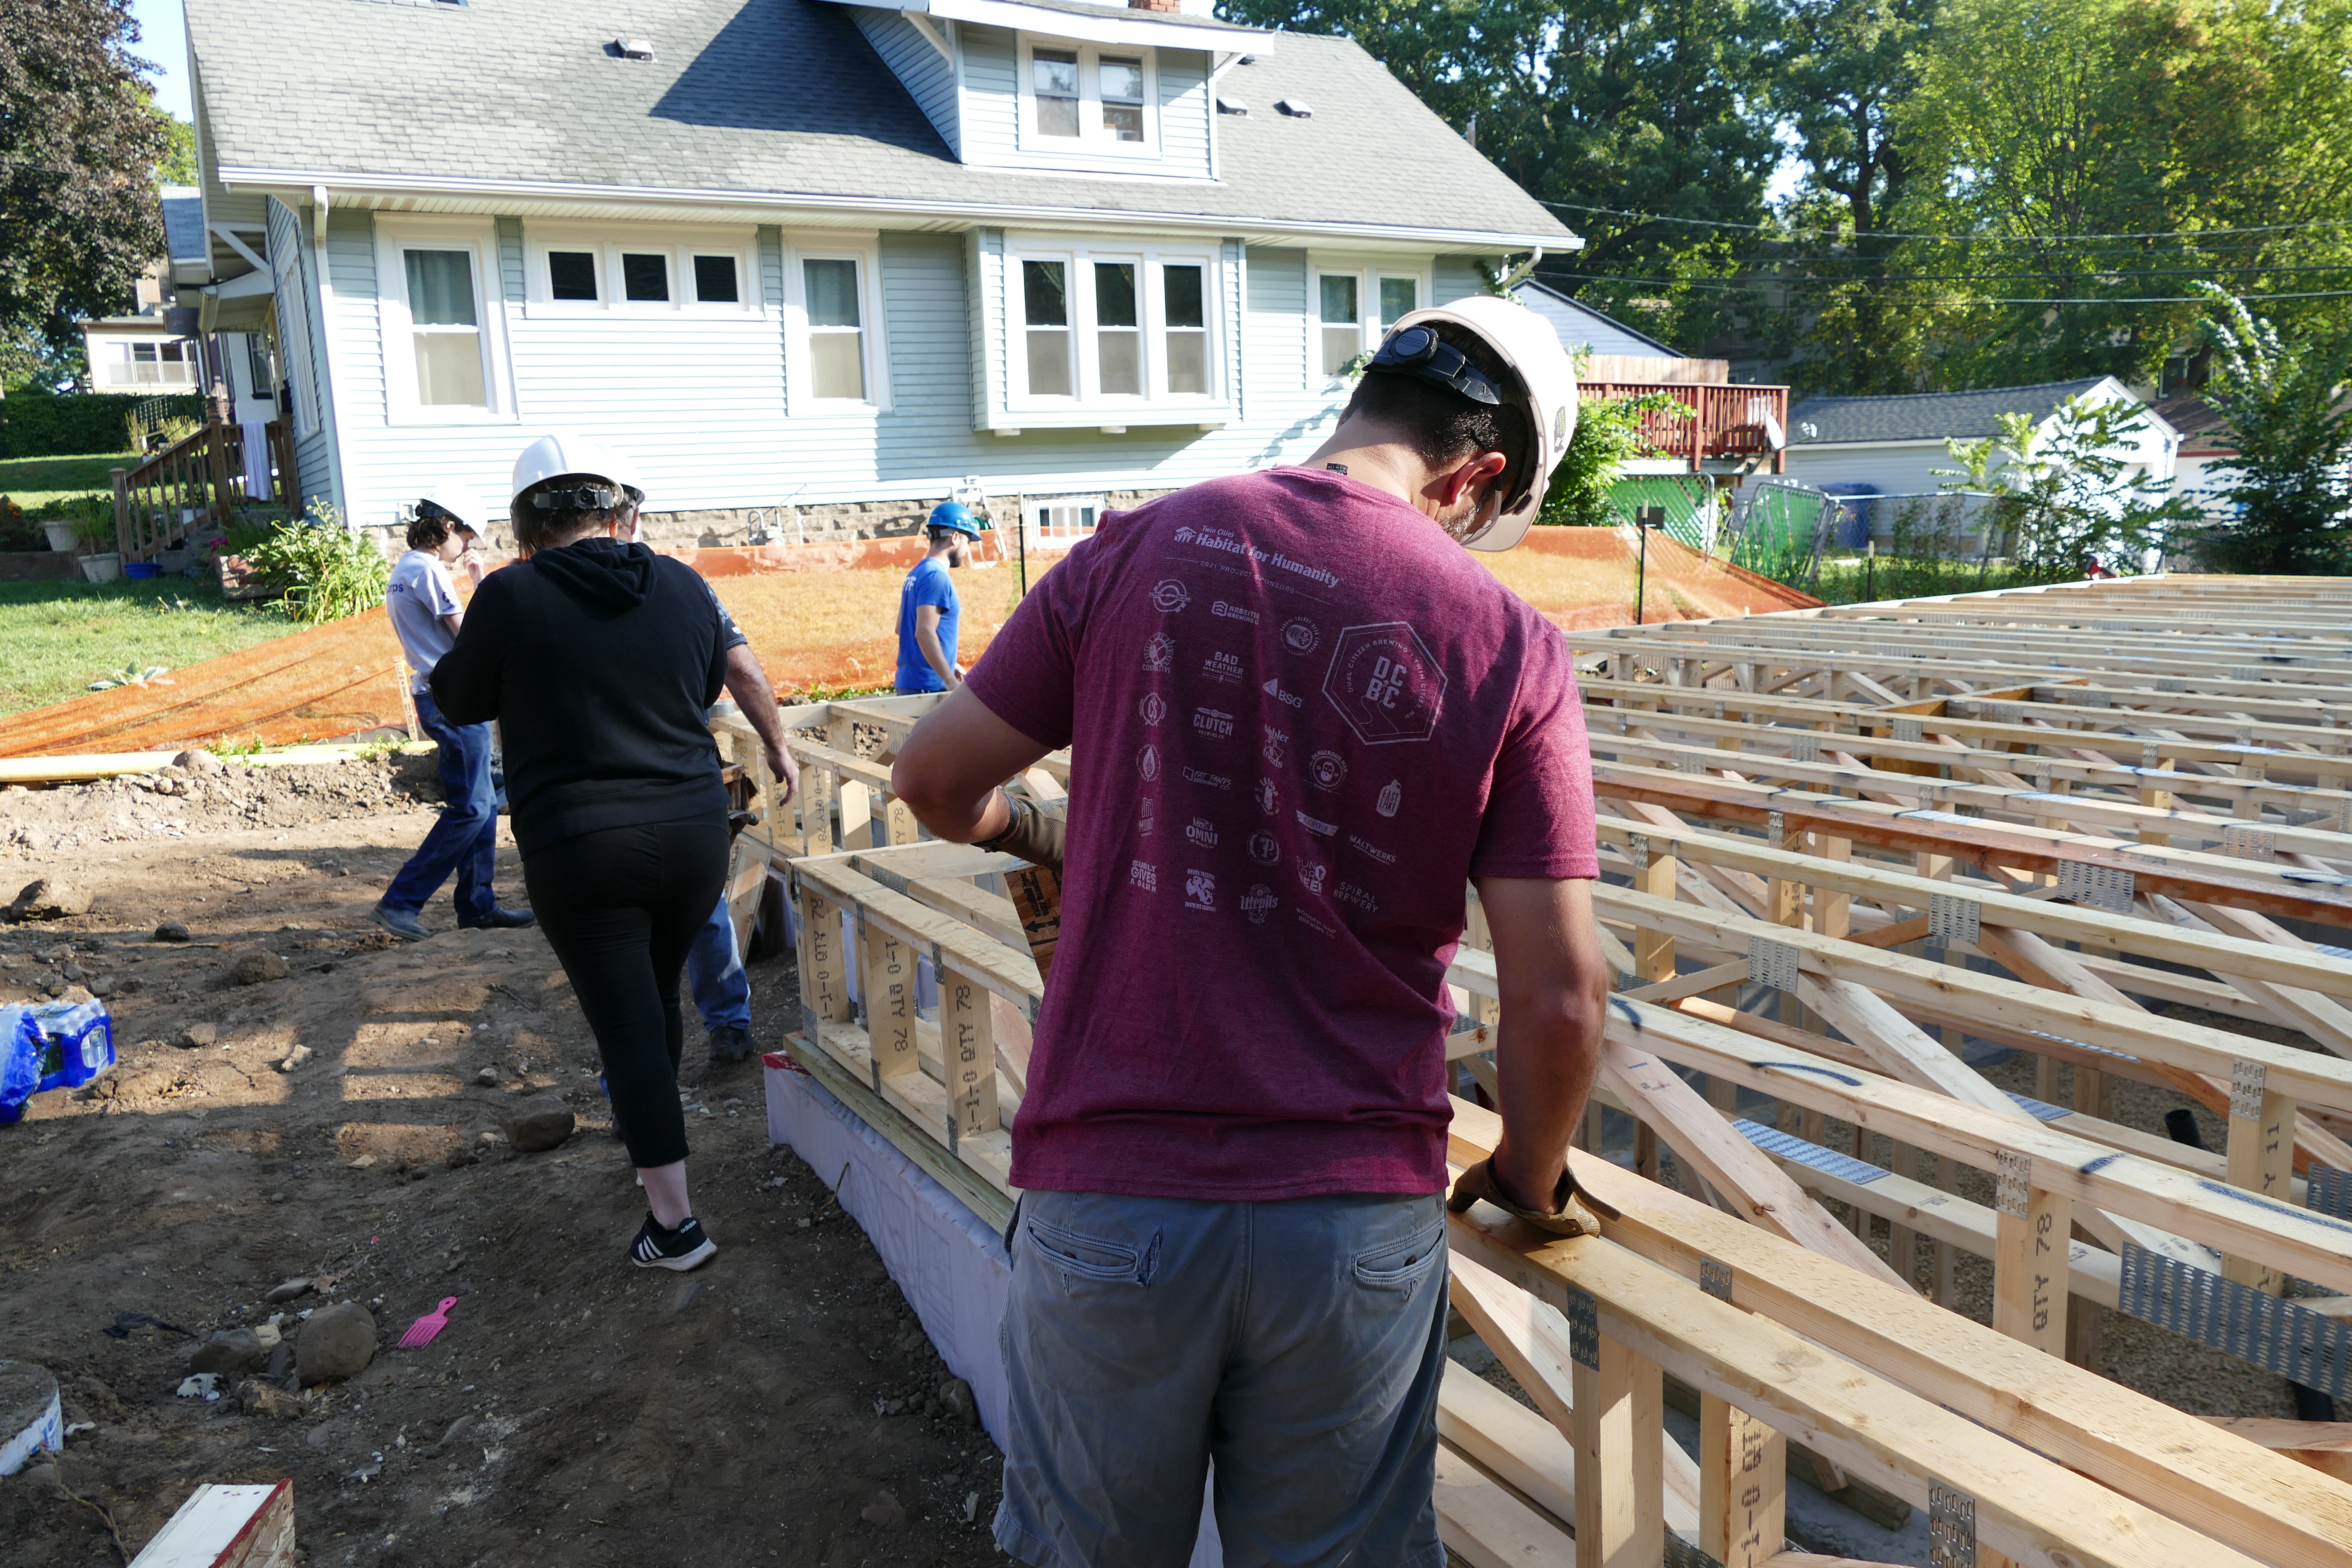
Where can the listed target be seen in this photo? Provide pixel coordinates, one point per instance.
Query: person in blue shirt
(928, 607)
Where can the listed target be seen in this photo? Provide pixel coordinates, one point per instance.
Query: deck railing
(200, 478)
(1723, 423)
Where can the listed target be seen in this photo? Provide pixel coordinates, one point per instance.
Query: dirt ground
(779, 1404)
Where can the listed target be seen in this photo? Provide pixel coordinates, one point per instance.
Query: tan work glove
(1574, 1207)
(1034, 834)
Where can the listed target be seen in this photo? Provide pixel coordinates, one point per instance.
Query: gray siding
(1579, 328)
(304, 350)
(921, 70)
(992, 110)
(1456, 277)
(1893, 469)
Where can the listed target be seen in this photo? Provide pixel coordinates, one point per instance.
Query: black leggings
(621, 908)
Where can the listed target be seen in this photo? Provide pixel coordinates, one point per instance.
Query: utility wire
(1959, 239)
(2124, 300)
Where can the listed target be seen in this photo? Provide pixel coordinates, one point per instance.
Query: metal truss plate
(1776, 830)
(1715, 1278)
(1689, 763)
(2006, 712)
(2246, 1082)
(2249, 843)
(1772, 964)
(1637, 850)
(1805, 749)
(2097, 698)
(1952, 917)
(2245, 672)
(2331, 1191)
(1829, 1161)
(1681, 1553)
(2104, 887)
(2013, 1185)
(2271, 1333)
(2147, 757)
(1904, 728)
(1583, 1330)
(2169, 683)
(1952, 1527)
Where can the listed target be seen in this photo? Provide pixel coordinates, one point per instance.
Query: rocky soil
(300, 1098)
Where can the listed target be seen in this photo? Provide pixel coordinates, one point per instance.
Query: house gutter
(979, 212)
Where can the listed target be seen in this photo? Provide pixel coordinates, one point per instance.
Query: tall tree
(79, 147)
(1643, 106)
(2283, 402)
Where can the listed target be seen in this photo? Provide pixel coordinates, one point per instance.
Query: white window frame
(1369, 273)
(1093, 140)
(1150, 257)
(608, 245)
(480, 242)
(864, 249)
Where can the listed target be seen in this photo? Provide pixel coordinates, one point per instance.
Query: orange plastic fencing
(821, 617)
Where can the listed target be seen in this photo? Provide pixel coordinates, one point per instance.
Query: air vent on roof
(1232, 106)
(1249, 59)
(1297, 108)
(634, 49)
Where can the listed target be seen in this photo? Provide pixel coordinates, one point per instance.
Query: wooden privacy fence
(199, 479)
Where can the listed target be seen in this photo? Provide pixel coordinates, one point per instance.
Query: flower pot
(103, 568)
(141, 571)
(60, 532)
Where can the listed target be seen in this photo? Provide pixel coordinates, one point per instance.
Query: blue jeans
(465, 839)
(714, 972)
(1299, 1343)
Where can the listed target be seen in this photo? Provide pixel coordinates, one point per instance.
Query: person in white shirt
(422, 599)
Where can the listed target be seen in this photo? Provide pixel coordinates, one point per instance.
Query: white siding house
(841, 258)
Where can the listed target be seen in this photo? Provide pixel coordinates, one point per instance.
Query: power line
(1953, 304)
(1958, 238)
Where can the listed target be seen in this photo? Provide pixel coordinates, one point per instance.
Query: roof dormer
(1062, 86)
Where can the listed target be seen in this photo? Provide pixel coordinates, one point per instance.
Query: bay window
(1111, 330)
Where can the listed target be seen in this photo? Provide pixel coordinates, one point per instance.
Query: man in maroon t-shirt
(1299, 718)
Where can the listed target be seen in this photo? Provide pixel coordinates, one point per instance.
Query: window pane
(714, 280)
(1044, 294)
(1179, 288)
(838, 365)
(1340, 344)
(571, 275)
(1121, 364)
(143, 352)
(1114, 293)
(440, 288)
(1122, 81)
(832, 290)
(449, 369)
(172, 351)
(1339, 297)
(1053, 76)
(645, 275)
(1398, 296)
(1187, 363)
(1049, 362)
(1124, 122)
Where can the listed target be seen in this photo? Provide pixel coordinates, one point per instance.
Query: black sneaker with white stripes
(658, 1247)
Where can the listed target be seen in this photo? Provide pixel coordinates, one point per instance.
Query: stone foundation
(836, 522)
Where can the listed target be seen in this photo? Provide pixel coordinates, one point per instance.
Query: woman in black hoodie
(599, 659)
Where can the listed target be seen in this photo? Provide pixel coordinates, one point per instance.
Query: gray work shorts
(1299, 1343)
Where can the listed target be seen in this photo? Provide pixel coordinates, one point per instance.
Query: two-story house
(817, 265)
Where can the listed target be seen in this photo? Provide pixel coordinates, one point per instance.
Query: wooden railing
(1724, 421)
(200, 477)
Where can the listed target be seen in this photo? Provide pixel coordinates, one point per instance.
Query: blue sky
(163, 39)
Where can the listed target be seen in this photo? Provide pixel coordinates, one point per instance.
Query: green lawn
(58, 638)
(30, 481)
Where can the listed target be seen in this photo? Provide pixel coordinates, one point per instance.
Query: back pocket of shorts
(1399, 1265)
(1084, 1258)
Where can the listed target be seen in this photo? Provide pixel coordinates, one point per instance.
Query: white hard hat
(561, 455)
(459, 501)
(1526, 342)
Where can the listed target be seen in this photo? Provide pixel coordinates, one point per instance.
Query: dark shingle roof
(779, 97)
(184, 224)
(1927, 415)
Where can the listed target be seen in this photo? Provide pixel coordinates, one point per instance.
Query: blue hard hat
(952, 514)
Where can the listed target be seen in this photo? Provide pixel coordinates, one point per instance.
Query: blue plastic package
(50, 1045)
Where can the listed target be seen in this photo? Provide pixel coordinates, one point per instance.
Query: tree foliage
(1634, 104)
(2065, 490)
(1609, 435)
(2285, 406)
(79, 143)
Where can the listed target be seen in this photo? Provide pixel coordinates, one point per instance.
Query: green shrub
(323, 569)
(35, 424)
